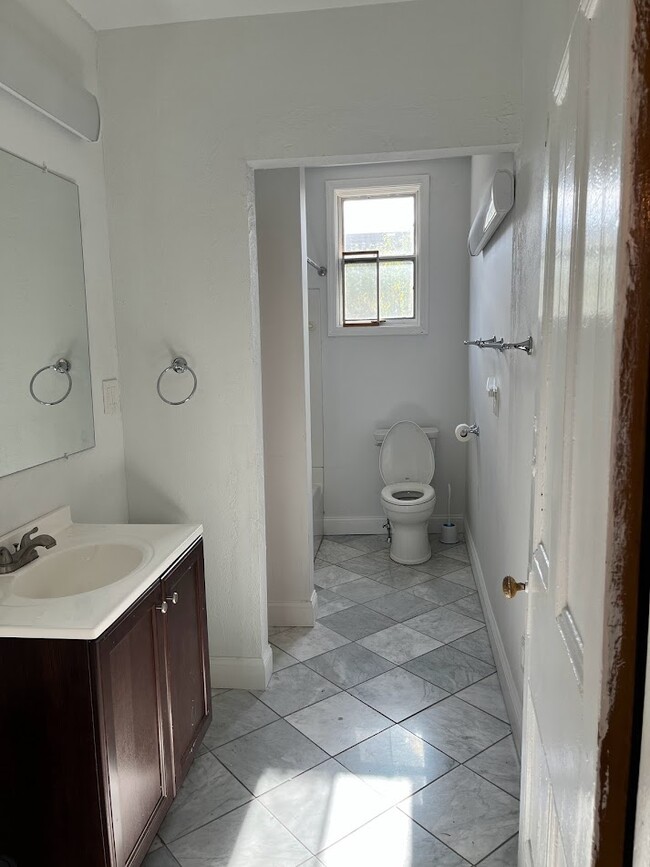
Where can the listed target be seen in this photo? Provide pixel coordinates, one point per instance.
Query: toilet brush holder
(449, 534)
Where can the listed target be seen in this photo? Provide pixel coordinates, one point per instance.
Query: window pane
(384, 224)
(360, 296)
(396, 290)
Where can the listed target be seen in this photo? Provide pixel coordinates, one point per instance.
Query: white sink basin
(82, 569)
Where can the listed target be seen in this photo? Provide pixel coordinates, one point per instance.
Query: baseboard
(507, 681)
(239, 672)
(293, 613)
(353, 526)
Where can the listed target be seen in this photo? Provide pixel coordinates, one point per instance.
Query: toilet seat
(406, 456)
(391, 494)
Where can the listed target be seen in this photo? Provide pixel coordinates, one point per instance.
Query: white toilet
(407, 465)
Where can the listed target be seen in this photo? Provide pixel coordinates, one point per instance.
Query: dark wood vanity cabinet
(97, 736)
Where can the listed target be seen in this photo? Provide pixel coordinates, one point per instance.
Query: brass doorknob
(511, 587)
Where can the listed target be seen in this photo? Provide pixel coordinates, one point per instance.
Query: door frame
(627, 595)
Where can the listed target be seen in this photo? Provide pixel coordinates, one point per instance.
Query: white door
(563, 674)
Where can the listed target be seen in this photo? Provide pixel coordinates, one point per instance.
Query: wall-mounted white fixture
(495, 204)
(27, 73)
(493, 392)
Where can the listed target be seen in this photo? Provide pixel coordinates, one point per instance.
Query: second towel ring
(61, 366)
(178, 365)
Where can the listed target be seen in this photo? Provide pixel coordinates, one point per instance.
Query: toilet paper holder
(463, 431)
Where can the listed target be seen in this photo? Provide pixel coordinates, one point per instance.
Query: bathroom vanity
(104, 691)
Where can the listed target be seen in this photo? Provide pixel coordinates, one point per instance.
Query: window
(378, 266)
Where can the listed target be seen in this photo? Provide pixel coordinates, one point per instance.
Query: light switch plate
(111, 392)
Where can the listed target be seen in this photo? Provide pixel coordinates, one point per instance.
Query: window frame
(339, 190)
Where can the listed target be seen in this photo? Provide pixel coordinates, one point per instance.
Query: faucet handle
(26, 539)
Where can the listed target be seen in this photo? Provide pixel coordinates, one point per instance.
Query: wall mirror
(45, 389)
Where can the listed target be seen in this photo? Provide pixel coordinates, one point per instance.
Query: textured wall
(185, 106)
(92, 482)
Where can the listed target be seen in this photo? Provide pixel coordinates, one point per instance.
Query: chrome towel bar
(500, 344)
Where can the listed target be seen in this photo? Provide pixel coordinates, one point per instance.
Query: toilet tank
(432, 432)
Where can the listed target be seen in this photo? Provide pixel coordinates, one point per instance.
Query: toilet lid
(406, 455)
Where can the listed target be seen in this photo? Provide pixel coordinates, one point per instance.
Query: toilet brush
(449, 534)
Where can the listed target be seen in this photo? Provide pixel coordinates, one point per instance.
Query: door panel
(571, 493)
(135, 721)
(188, 659)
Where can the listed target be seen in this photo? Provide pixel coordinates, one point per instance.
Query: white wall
(185, 106)
(92, 482)
(280, 211)
(371, 382)
(499, 460)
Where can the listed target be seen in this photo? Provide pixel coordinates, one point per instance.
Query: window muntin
(385, 223)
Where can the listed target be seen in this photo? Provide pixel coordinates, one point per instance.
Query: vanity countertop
(86, 615)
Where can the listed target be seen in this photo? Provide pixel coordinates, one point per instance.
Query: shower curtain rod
(321, 269)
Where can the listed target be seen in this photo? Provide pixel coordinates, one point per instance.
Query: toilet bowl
(407, 465)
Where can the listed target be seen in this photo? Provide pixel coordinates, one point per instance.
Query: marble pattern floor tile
(396, 763)
(338, 723)
(398, 694)
(234, 714)
(363, 590)
(270, 756)
(441, 624)
(323, 805)
(334, 552)
(449, 668)
(505, 856)
(458, 729)
(487, 695)
(349, 665)
(364, 544)
(476, 644)
(368, 564)
(157, 843)
(303, 642)
(399, 643)
(469, 605)
(458, 552)
(209, 791)
(500, 765)
(390, 840)
(401, 577)
(329, 602)
(281, 659)
(248, 837)
(440, 591)
(463, 576)
(319, 564)
(354, 623)
(471, 815)
(332, 576)
(400, 605)
(439, 565)
(160, 858)
(292, 689)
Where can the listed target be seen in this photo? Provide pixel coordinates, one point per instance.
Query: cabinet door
(135, 722)
(187, 658)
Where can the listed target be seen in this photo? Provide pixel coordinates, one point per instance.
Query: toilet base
(410, 543)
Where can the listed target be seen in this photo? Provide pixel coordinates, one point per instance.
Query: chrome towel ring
(178, 365)
(61, 366)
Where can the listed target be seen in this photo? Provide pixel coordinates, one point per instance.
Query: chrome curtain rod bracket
(320, 269)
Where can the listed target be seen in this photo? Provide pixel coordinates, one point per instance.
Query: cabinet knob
(511, 587)
(173, 598)
(162, 607)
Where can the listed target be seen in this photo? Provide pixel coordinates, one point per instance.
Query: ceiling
(111, 14)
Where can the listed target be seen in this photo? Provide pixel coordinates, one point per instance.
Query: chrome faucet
(25, 551)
